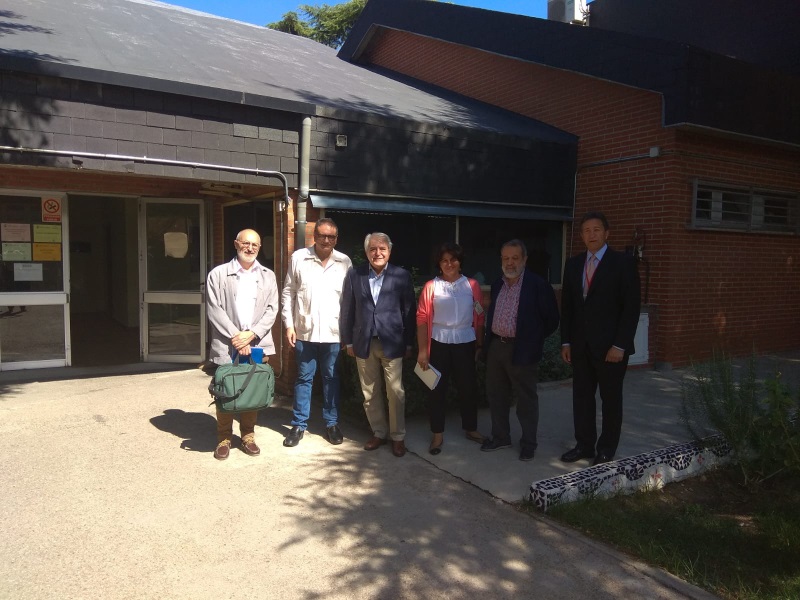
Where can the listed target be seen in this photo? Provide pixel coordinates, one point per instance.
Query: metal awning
(439, 207)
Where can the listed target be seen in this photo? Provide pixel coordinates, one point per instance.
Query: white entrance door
(34, 281)
(172, 256)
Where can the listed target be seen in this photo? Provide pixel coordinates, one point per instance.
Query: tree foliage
(323, 23)
(292, 23)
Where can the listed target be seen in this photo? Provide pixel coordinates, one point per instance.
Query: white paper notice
(28, 272)
(176, 244)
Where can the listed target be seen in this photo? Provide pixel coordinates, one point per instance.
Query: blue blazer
(537, 317)
(392, 319)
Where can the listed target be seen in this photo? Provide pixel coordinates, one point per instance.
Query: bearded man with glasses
(311, 298)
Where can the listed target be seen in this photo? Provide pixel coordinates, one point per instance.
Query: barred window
(750, 209)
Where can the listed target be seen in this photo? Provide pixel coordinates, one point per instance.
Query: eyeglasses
(253, 245)
(322, 236)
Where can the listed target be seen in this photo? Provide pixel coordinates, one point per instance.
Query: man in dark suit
(522, 314)
(377, 326)
(600, 301)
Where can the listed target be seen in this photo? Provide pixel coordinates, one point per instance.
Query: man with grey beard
(522, 314)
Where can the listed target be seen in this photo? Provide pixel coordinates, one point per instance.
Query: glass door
(172, 255)
(34, 276)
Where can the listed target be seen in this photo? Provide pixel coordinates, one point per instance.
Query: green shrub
(552, 368)
(757, 419)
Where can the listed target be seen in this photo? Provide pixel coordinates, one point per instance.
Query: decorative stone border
(651, 470)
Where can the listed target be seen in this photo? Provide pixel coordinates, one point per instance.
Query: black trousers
(456, 361)
(589, 374)
(507, 383)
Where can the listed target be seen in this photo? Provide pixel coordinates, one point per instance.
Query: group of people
(370, 312)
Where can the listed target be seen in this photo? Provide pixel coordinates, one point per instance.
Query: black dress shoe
(526, 454)
(335, 436)
(603, 457)
(294, 437)
(575, 454)
(490, 445)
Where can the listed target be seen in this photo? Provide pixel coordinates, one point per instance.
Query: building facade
(700, 179)
(123, 181)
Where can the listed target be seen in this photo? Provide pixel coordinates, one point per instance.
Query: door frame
(187, 297)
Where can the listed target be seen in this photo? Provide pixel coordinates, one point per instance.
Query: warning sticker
(51, 210)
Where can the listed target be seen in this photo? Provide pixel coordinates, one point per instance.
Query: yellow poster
(47, 233)
(45, 252)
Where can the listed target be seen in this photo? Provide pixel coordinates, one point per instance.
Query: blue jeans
(307, 355)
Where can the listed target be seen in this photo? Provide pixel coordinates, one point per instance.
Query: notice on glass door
(51, 210)
(28, 272)
(42, 252)
(47, 233)
(15, 232)
(13, 252)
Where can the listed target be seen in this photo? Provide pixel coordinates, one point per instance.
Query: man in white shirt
(242, 304)
(311, 298)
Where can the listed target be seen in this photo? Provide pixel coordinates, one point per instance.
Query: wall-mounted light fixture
(341, 141)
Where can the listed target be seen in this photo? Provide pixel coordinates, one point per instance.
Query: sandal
(474, 436)
(437, 449)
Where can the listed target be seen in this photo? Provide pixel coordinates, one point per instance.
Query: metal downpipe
(302, 198)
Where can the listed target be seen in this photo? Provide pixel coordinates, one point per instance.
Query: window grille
(728, 207)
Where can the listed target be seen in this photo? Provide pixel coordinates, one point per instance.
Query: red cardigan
(425, 307)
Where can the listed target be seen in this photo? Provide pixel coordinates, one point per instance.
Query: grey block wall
(382, 156)
(37, 111)
(402, 158)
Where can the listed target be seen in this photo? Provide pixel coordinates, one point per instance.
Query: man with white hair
(377, 325)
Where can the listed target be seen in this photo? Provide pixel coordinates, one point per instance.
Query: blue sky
(261, 12)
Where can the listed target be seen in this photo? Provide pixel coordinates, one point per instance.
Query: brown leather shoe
(223, 450)
(250, 448)
(399, 448)
(374, 443)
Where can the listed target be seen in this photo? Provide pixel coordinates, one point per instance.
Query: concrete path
(652, 402)
(110, 491)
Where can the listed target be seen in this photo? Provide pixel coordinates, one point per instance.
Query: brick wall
(707, 289)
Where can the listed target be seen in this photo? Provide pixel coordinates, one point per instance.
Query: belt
(504, 340)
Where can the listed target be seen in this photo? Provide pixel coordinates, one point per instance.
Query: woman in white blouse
(449, 333)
